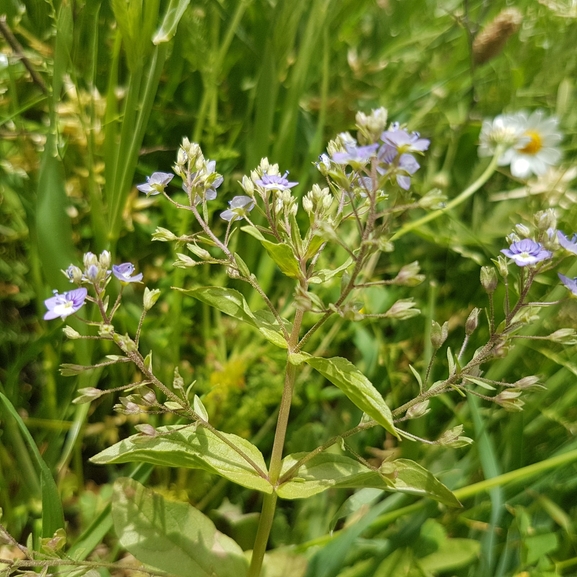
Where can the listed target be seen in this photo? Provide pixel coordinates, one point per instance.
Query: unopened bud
(523, 230)
(146, 429)
(502, 266)
(418, 410)
(163, 235)
(409, 275)
(105, 259)
(546, 219)
(439, 334)
(125, 343)
(87, 394)
(510, 400)
(150, 297)
(489, 279)
(105, 331)
(90, 259)
(453, 438)
(70, 333)
(472, 321)
(528, 383)
(565, 336)
(403, 309)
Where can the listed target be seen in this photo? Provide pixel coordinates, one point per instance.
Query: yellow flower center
(535, 143)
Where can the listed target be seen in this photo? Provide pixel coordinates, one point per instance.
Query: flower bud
(489, 279)
(453, 438)
(510, 400)
(523, 230)
(418, 410)
(105, 259)
(125, 343)
(87, 394)
(73, 274)
(150, 297)
(545, 219)
(502, 266)
(90, 259)
(247, 185)
(403, 309)
(70, 333)
(472, 321)
(307, 204)
(146, 429)
(565, 336)
(439, 334)
(434, 199)
(105, 331)
(163, 235)
(528, 383)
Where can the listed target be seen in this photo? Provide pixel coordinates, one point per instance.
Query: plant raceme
(353, 217)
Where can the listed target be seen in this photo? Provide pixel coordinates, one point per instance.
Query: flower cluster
(97, 274)
(527, 142)
(199, 177)
(393, 152)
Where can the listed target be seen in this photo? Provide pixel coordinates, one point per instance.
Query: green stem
(456, 201)
(269, 502)
(264, 527)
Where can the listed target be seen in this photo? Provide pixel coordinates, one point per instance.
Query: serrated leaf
(329, 470)
(281, 253)
(172, 536)
(356, 387)
(194, 449)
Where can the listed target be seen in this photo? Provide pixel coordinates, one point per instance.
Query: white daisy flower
(532, 142)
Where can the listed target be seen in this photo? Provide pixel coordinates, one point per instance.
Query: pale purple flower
(570, 283)
(407, 163)
(239, 207)
(63, 305)
(123, 271)
(526, 252)
(355, 154)
(404, 142)
(566, 243)
(275, 182)
(156, 183)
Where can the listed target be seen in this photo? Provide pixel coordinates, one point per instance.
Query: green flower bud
(105, 331)
(472, 322)
(489, 279)
(439, 334)
(70, 333)
(150, 297)
(163, 235)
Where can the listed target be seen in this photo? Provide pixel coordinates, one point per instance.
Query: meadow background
(89, 107)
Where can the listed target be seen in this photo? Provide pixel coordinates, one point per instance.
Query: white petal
(521, 167)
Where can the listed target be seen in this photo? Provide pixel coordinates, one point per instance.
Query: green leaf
(356, 387)
(324, 275)
(453, 554)
(228, 301)
(411, 478)
(281, 253)
(171, 536)
(170, 21)
(52, 514)
(194, 448)
(328, 470)
(480, 382)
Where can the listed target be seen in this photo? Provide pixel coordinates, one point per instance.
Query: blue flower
(570, 283)
(239, 207)
(156, 183)
(570, 245)
(123, 271)
(526, 252)
(63, 305)
(355, 154)
(275, 182)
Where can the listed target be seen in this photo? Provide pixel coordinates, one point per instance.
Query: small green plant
(327, 245)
